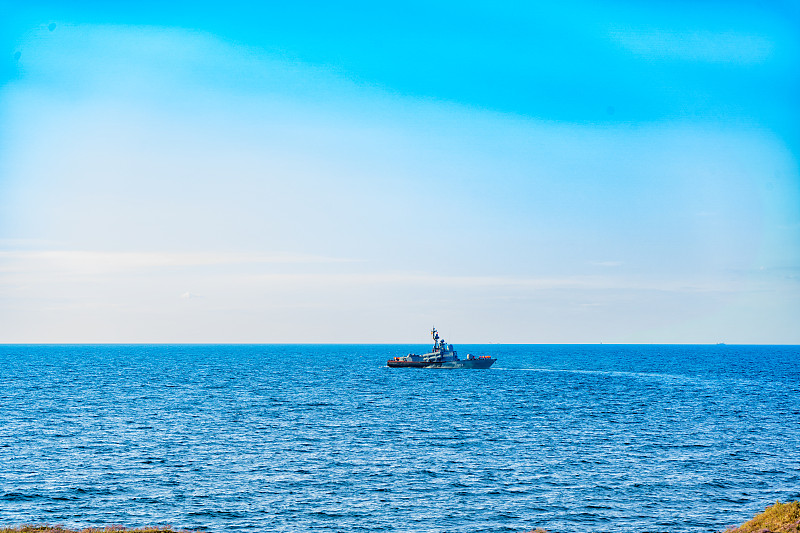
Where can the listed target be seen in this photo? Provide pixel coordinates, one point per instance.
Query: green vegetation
(780, 518)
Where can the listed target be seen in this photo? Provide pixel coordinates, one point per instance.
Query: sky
(543, 172)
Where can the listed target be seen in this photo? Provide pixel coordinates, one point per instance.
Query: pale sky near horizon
(575, 173)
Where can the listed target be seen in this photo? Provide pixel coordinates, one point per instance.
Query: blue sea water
(327, 438)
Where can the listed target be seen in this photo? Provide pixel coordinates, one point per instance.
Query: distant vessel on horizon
(442, 355)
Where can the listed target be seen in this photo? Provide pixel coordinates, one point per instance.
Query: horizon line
(386, 343)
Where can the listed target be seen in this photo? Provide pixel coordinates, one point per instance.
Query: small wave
(99, 491)
(612, 373)
(328, 514)
(214, 513)
(20, 497)
(145, 499)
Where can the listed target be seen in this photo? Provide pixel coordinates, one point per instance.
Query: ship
(442, 355)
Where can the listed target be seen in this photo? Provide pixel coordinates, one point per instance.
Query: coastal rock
(779, 518)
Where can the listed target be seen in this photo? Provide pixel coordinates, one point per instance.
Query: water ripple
(326, 438)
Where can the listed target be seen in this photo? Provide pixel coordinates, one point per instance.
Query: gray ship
(441, 356)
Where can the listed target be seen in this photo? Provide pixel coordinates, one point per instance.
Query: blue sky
(580, 172)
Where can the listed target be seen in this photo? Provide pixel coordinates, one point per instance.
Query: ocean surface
(327, 438)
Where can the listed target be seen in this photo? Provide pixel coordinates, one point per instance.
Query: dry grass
(59, 529)
(780, 518)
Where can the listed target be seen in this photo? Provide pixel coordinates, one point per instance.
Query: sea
(327, 438)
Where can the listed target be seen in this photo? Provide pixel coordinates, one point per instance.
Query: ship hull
(410, 364)
(467, 363)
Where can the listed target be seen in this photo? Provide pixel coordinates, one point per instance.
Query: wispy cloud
(96, 262)
(706, 46)
(27, 244)
(499, 284)
(606, 263)
(47, 265)
(21, 267)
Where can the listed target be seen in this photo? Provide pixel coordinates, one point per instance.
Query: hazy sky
(358, 172)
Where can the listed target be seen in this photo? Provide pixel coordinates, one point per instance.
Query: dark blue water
(327, 438)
